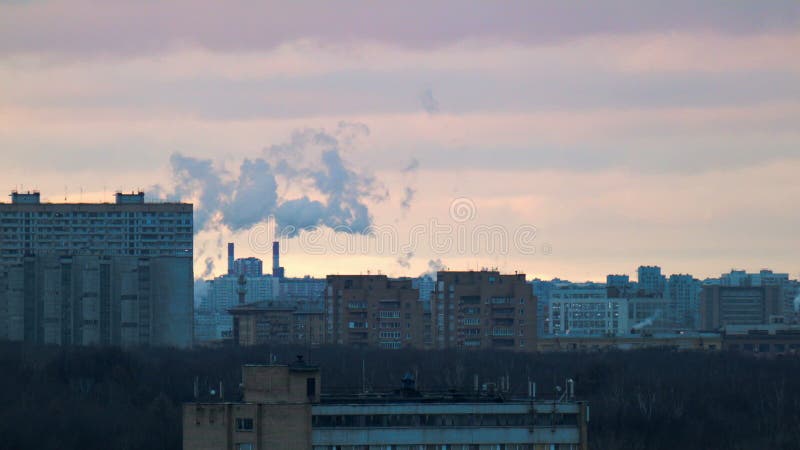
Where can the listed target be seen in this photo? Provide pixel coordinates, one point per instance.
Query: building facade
(296, 322)
(739, 305)
(305, 288)
(283, 409)
(249, 267)
(483, 309)
(650, 281)
(373, 310)
(110, 274)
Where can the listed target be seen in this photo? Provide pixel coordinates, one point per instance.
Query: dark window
(311, 387)
(244, 424)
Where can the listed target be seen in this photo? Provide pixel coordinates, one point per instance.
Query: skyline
(660, 136)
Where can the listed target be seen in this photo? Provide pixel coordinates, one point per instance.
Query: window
(244, 446)
(244, 424)
(311, 387)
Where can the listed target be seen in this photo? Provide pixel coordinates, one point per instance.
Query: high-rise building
(373, 310)
(305, 288)
(650, 281)
(683, 292)
(123, 266)
(483, 309)
(249, 267)
(277, 269)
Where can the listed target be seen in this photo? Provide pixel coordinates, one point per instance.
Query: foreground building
(283, 409)
(96, 273)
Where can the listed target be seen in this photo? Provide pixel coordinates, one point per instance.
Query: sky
(559, 139)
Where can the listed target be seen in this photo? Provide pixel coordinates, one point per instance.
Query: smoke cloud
(434, 266)
(648, 321)
(408, 196)
(310, 162)
(428, 101)
(405, 260)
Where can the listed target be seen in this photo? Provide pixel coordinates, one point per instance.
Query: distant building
(294, 322)
(305, 288)
(620, 282)
(213, 320)
(283, 408)
(678, 341)
(483, 310)
(763, 340)
(596, 316)
(652, 315)
(426, 285)
(373, 311)
(740, 305)
(683, 292)
(650, 281)
(765, 277)
(249, 267)
(144, 249)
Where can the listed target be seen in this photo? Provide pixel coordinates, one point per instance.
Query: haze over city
(629, 133)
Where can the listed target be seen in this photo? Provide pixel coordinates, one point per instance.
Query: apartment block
(279, 322)
(73, 273)
(483, 309)
(373, 310)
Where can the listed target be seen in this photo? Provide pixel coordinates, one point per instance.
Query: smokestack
(230, 258)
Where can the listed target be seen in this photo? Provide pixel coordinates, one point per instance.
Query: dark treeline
(89, 398)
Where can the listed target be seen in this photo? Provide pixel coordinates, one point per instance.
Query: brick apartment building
(374, 311)
(483, 309)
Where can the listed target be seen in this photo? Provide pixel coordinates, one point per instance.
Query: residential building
(297, 322)
(651, 282)
(683, 292)
(110, 242)
(596, 316)
(249, 267)
(483, 309)
(283, 409)
(373, 310)
(225, 292)
(98, 300)
(302, 288)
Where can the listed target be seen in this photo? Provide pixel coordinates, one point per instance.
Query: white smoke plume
(310, 162)
(434, 266)
(404, 260)
(648, 321)
(409, 171)
(428, 101)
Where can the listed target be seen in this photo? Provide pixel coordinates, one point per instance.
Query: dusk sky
(626, 132)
